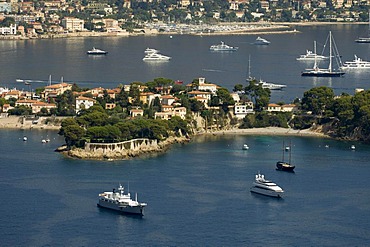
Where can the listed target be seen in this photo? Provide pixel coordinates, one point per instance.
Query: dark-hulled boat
(284, 165)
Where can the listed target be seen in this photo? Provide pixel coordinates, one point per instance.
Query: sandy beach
(16, 122)
(269, 131)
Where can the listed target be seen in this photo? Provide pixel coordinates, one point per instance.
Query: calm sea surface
(191, 58)
(198, 193)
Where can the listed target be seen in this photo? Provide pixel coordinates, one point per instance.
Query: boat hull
(97, 53)
(323, 74)
(266, 192)
(139, 210)
(284, 166)
(363, 40)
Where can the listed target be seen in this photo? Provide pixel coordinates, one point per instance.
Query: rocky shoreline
(160, 147)
(163, 146)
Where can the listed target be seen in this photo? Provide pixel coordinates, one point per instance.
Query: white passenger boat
(356, 64)
(266, 187)
(261, 41)
(119, 201)
(223, 47)
(96, 51)
(155, 57)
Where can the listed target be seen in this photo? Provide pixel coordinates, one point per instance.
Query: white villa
(84, 103)
(242, 110)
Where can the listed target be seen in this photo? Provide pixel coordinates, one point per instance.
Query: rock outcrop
(123, 150)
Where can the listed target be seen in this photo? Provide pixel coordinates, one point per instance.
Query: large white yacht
(154, 55)
(266, 187)
(356, 64)
(312, 55)
(223, 47)
(271, 86)
(121, 202)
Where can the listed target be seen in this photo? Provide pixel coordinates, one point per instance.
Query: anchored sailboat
(329, 72)
(284, 165)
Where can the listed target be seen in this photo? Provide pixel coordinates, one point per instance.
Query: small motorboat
(245, 147)
(261, 41)
(353, 147)
(96, 51)
(25, 138)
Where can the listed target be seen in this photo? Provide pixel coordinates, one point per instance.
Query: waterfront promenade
(233, 28)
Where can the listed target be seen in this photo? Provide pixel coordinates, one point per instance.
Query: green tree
(238, 88)
(72, 132)
(259, 95)
(224, 95)
(317, 100)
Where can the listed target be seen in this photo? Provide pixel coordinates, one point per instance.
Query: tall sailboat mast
(330, 53)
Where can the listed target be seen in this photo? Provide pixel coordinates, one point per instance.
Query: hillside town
(62, 18)
(203, 94)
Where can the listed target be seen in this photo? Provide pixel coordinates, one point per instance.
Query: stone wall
(133, 145)
(123, 150)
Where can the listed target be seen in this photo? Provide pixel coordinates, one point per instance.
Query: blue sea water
(197, 194)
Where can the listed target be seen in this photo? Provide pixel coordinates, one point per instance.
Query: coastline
(256, 28)
(273, 131)
(17, 122)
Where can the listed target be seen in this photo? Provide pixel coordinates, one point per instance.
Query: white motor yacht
(223, 47)
(261, 41)
(271, 86)
(96, 51)
(155, 57)
(121, 202)
(266, 187)
(356, 64)
(311, 56)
